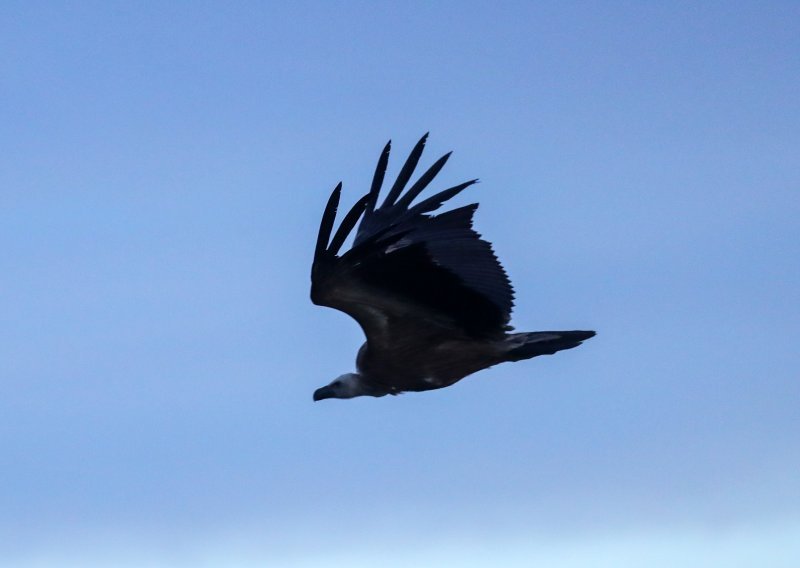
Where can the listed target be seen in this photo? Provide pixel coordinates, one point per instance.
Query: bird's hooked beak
(323, 393)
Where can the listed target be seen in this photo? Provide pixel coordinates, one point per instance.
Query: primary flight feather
(429, 293)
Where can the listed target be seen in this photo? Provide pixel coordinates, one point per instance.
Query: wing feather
(408, 269)
(377, 179)
(436, 201)
(328, 219)
(348, 223)
(423, 181)
(405, 172)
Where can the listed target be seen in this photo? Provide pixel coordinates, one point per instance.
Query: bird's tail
(520, 346)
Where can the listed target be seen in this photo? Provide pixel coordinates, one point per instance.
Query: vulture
(427, 290)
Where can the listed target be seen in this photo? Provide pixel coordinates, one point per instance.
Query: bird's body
(437, 360)
(429, 293)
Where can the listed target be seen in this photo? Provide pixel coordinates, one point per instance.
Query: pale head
(348, 385)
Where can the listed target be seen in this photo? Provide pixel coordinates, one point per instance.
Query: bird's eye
(336, 383)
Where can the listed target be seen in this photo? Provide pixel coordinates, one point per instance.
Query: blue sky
(163, 171)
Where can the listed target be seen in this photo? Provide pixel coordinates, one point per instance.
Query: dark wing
(409, 269)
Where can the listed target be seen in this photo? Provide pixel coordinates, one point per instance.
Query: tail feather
(526, 345)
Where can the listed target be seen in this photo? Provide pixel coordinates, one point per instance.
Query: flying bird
(428, 292)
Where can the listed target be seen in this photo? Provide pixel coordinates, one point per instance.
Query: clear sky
(163, 167)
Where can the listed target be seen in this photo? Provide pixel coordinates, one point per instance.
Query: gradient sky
(163, 167)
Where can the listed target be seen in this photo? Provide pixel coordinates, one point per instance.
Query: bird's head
(348, 385)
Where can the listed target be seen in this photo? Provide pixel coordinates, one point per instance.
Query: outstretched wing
(409, 269)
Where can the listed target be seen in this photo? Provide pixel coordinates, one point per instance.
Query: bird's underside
(429, 293)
